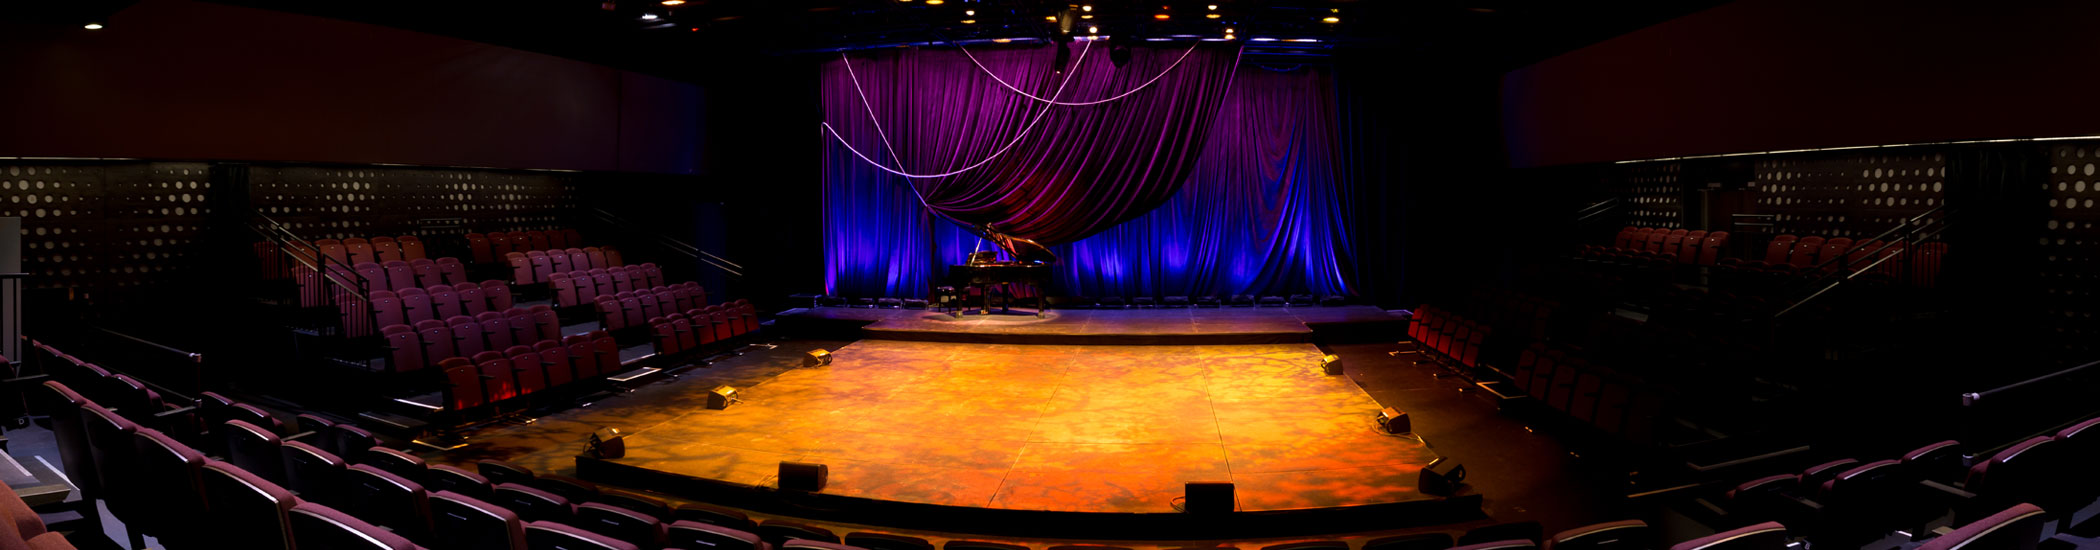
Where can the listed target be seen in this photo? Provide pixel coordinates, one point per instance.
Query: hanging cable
(1075, 67)
(995, 154)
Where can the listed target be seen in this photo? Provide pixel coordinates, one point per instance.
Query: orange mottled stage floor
(1044, 427)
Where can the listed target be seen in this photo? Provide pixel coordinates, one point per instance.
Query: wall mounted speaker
(1442, 477)
(1331, 364)
(1209, 497)
(720, 397)
(803, 476)
(606, 443)
(817, 358)
(1394, 421)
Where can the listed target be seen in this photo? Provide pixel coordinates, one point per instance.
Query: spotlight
(1331, 19)
(606, 443)
(970, 12)
(1093, 30)
(1228, 30)
(1264, 39)
(1441, 477)
(674, 2)
(817, 358)
(1391, 419)
(935, 2)
(969, 21)
(1212, 7)
(1160, 16)
(1088, 7)
(648, 17)
(803, 476)
(1001, 40)
(1087, 16)
(1212, 16)
(1331, 364)
(720, 397)
(93, 26)
(1050, 18)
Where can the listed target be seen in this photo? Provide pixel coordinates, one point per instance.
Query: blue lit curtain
(1261, 209)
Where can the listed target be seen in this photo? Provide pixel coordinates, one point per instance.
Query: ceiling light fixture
(674, 2)
(648, 17)
(93, 26)
(1093, 30)
(1212, 15)
(1050, 18)
(1001, 40)
(1212, 7)
(935, 2)
(1087, 16)
(1160, 16)
(1263, 39)
(1088, 7)
(969, 21)
(1329, 19)
(970, 12)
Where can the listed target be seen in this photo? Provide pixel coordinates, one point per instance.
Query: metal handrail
(1917, 233)
(675, 245)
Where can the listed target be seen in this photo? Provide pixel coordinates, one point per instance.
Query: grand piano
(1030, 266)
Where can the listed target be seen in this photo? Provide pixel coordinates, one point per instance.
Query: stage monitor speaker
(1394, 421)
(817, 358)
(1442, 477)
(1331, 364)
(803, 476)
(606, 443)
(720, 397)
(1209, 497)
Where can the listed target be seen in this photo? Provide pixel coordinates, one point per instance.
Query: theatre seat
(388, 500)
(1617, 535)
(247, 511)
(543, 535)
(1514, 544)
(254, 449)
(636, 502)
(461, 522)
(636, 528)
(885, 541)
(777, 532)
(576, 490)
(2016, 528)
(1763, 536)
(961, 544)
(1420, 541)
(344, 438)
(497, 293)
(533, 504)
(500, 472)
(316, 474)
(446, 477)
(800, 544)
(395, 461)
(714, 515)
(693, 534)
(171, 475)
(318, 527)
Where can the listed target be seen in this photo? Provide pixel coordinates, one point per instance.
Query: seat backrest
(1617, 535)
(396, 462)
(253, 448)
(777, 532)
(1769, 535)
(316, 474)
(462, 522)
(171, 475)
(400, 275)
(885, 541)
(533, 504)
(347, 438)
(70, 433)
(388, 500)
(1777, 251)
(497, 293)
(247, 511)
(411, 248)
(500, 472)
(550, 535)
(2015, 528)
(1805, 251)
(499, 244)
(636, 528)
(693, 534)
(478, 248)
(445, 301)
(446, 477)
(316, 526)
(714, 515)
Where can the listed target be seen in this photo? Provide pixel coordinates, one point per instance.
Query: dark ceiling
(683, 41)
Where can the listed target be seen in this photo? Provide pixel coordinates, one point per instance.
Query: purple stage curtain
(1191, 187)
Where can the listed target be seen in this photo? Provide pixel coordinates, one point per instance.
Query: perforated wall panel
(344, 202)
(1856, 195)
(89, 228)
(1653, 194)
(2071, 265)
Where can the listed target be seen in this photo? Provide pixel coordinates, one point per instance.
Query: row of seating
(1449, 335)
(619, 310)
(490, 379)
(1847, 502)
(429, 341)
(353, 251)
(494, 245)
(583, 287)
(417, 273)
(410, 306)
(697, 328)
(1919, 267)
(21, 527)
(539, 266)
(1688, 247)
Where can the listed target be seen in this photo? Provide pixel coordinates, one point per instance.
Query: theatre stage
(1096, 428)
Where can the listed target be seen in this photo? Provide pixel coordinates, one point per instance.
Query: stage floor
(1109, 428)
(1146, 326)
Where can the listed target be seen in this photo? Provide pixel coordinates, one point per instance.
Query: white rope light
(995, 154)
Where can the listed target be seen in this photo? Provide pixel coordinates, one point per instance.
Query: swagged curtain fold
(1211, 180)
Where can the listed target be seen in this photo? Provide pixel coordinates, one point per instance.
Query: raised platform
(1148, 326)
(999, 432)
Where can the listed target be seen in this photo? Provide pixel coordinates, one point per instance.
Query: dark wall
(1763, 75)
(176, 79)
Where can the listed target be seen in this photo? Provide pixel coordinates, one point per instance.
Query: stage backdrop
(1216, 179)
